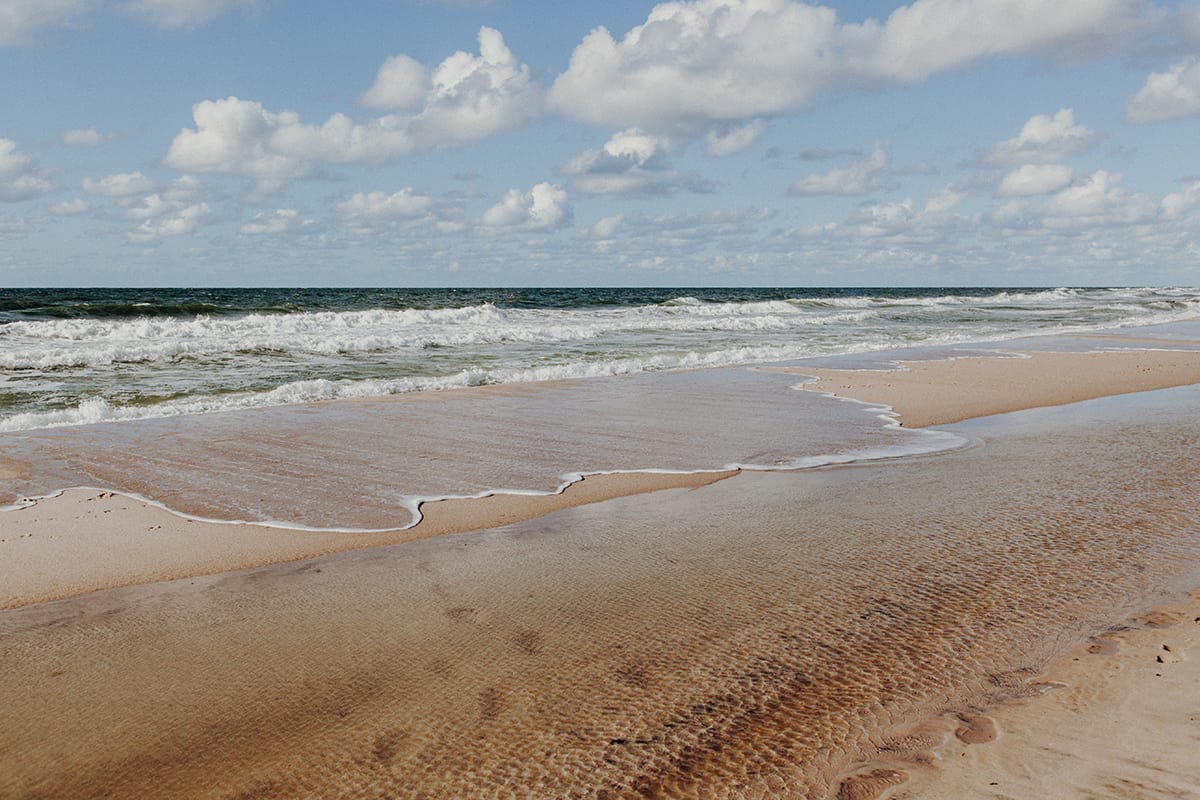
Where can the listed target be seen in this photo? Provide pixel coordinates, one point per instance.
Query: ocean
(78, 356)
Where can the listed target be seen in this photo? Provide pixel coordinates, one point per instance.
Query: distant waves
(70, 357)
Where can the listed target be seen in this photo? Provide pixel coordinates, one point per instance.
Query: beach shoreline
(132, 539)
(941, 392)
(74, 553)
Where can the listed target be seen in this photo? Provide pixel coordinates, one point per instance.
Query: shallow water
(764, 636)
(364, 464)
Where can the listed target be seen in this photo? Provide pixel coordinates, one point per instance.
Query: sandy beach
(969, 623)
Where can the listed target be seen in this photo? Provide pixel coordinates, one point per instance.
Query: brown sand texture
(925, 393)
(1119, 717)
(812, 634)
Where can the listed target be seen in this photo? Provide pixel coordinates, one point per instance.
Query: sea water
(78, 356)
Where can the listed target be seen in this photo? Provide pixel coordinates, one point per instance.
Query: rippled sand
(771, 635)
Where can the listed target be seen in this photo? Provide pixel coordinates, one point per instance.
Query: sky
(536, 143)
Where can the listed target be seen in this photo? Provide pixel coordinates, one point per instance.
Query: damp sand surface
(352, 464)
(83, 540)
(789, 634)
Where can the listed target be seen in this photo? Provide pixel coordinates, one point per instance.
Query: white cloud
(178, 195)
(695, 63)
(931, 36)
(630, 162)
(402, 82)
(544, 207)
(725, 141)
(184, 13)
(365, 210)
(904, 219)
(83, 137)
(1178, 204)
(121, 184)
(1168, 95)
(469, 97)
(70, 208)
(1044, 140)
(607, 227)
(1010, 213)
(1032, 179)
(281, 220)
(20, 176)
(866, 175)
(176, 223)
(21, 18)
(1097, 201)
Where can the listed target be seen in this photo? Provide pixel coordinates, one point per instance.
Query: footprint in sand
(976, 729)
(870, 785)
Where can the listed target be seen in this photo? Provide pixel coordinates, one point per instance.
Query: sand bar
(925, 393)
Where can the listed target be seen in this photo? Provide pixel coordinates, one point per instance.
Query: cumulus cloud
(866, 175)
(20, 176)
(121, 184)
(367, 210)
(1177, 204)
(544, 207)
(174, 223)
(469, 97)
(184, 13)
(695, 63)
(1043, 140)
(725, 141)
(1032, 179)
(906, 219)
(1167, 95)
(606, 228)
(83, 137)
(402, 82)
(1097, 201)
(630, 162)
(178, 195)
(70, 208)
(19, 19)
(272, 223)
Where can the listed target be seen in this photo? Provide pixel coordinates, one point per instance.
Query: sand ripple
(772, 635)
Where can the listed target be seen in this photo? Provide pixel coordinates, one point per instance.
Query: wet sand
(821, 633)
(84, 540)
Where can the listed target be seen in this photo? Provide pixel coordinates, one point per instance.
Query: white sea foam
(80, 371)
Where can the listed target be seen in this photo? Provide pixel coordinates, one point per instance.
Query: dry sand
(1119, 718)
(925, 393)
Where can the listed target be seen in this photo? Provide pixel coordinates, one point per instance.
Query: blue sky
(708, 142)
